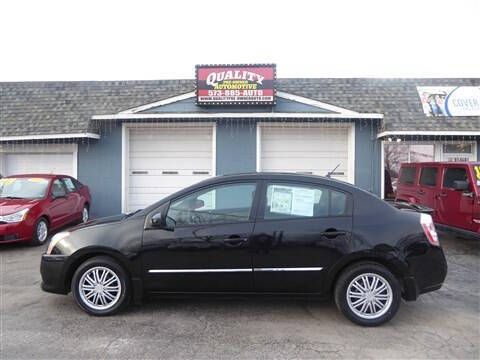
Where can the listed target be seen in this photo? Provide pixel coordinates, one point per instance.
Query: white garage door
(305, 148)
(38, 159)
(163, 160)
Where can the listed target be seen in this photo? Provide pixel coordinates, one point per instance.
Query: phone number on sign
(235, 92)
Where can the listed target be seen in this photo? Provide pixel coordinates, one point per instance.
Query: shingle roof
(28, 108)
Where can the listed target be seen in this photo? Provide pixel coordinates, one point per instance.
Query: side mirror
(157, 220)
(460, 185)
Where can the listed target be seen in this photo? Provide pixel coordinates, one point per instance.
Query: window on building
(428, 176)
(453, 174)
(292, 201)
(407, 175)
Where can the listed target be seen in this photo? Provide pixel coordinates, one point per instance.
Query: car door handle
(235, 240)
(420, 192)
(442, 195)
(332, 234)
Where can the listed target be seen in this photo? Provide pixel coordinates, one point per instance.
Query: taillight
(429, 229)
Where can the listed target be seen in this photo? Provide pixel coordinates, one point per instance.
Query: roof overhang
(50, 137)
(262, 115)
(136, 113)
(427, 133)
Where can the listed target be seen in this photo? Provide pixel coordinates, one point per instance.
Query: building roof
(45, 108)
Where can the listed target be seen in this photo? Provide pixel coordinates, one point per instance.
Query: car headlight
(55, 240)
(17, 217)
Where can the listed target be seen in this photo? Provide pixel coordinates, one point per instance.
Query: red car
(31, 206)
(451, 189)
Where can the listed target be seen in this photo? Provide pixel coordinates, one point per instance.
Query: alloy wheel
(85, 215)
(42, 231)
(369, 296)
(100, 288)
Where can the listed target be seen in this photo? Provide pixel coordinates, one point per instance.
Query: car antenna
(329, 174)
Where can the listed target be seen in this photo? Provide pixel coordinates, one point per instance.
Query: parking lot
(442, 324)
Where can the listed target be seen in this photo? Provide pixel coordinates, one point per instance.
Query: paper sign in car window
(7, 181)
(281, 201)
(303, 201)
(39, 180)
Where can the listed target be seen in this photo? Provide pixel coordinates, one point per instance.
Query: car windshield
(476, 174)
(23, 188)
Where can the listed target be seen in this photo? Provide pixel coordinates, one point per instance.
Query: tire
(91, 301)
(350, 288)
(40, 232)
(85, 216)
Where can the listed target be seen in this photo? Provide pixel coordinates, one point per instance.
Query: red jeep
(451, 189)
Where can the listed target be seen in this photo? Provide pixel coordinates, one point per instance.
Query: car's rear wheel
(40, 232)
(368, 294)
(100, 286)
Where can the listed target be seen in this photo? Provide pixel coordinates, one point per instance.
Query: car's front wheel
(368, 294)
(40, 232)
(100, 286)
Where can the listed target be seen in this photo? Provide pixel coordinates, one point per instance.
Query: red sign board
(235, 84)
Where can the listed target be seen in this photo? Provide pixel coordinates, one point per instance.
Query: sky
(126, 40)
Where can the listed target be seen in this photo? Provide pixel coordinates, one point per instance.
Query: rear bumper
(52, 269)
(428, 272)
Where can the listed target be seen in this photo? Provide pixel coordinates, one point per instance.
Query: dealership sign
(450, 100)
(235, 84)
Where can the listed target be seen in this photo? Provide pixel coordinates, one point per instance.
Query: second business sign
(235, 84)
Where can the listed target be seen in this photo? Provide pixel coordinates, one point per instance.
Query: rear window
(453, 174)
(407, 175)
(428, 176)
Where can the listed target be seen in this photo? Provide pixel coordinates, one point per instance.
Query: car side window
(291, 201)
(58, 189)
(214, 205)
(69, 184)
(428, 176)
(78, 184)
(452, 174)
(407, 175)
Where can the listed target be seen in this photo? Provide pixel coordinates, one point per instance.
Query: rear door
(74, 199)
(298, 231)
(427, 189)
(59, 206)
(407, 188)
(455, 208)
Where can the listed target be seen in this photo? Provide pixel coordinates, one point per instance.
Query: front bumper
(13, 233)
(52, 269)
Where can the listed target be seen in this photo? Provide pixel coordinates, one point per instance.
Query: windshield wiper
(13, 197)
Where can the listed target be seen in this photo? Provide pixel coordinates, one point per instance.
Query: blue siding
(236, 146)
(100, 167)
(367, 156)
(100, 162)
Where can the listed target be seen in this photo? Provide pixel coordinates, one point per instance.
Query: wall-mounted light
(390, 139)
(399, 140)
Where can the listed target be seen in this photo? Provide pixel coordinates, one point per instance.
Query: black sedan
(261, 233)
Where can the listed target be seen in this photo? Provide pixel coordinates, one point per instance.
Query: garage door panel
(44, 163)
(164, 181)
(305, 149)
(169, 145)
(159, 163)
(164, 160)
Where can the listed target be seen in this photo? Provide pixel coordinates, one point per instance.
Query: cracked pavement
(34, 325)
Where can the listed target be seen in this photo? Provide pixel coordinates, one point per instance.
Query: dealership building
(134, 142)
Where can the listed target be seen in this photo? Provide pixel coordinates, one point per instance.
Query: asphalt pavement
(36, 325)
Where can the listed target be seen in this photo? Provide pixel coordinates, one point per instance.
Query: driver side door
(204, 243)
